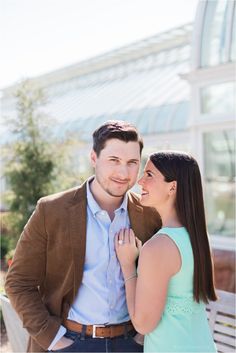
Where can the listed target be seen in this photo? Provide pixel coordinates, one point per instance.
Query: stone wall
(224, 263)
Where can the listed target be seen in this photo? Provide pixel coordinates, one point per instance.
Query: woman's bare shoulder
(159, 250)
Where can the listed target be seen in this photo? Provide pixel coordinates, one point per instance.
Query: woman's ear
(173, 187)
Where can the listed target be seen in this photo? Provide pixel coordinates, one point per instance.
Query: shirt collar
(124, 205)
(94, 206)
(92, 203)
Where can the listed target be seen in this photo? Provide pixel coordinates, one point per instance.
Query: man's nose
(123, 171)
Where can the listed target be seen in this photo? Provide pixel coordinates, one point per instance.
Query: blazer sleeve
(26, 275)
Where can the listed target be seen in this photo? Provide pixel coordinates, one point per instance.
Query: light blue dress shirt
(101, 296)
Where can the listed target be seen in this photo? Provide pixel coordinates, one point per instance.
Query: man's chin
(118, 194)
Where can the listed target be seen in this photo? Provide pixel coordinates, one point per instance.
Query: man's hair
(115, 129)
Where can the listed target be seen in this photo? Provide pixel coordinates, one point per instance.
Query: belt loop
(126, 331)
(83, 333)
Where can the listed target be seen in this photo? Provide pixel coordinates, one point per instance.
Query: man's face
(116, 168)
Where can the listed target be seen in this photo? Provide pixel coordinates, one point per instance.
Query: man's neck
(105, 201)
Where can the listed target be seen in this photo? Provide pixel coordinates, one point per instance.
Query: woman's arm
(146, 294)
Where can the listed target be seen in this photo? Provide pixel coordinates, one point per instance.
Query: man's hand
(62, 343)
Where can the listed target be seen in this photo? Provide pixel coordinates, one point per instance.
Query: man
(65, 281)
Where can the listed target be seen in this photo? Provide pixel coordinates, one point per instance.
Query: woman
(175, 274)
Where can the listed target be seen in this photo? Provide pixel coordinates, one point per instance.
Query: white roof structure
(140, 83)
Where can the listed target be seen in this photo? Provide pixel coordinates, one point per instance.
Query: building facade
(178, 88)
(213, 111)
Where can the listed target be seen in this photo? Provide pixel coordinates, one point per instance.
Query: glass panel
(213, 49)
(218, 99)
(233, 39)
(180, 117)
(145, 118)
(219, 152)
(163, 116)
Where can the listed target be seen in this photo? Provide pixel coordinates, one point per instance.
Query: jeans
(124, 343)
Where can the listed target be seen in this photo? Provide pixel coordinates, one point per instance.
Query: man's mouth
(122, 182)
(144, 193)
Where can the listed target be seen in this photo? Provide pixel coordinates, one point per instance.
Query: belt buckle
(94, 331)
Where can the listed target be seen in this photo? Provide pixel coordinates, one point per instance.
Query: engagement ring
(120, 242)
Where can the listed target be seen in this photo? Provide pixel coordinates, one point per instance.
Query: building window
(218, 98)
(214, 35)
(233, 37)
(219, 166)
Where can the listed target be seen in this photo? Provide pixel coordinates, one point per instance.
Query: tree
(30, 168)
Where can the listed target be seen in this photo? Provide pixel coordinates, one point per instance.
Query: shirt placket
(111, 272)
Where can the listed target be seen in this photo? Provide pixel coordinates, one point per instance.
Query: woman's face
(155, 190)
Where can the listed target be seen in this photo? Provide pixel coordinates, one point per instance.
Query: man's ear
(93, 158)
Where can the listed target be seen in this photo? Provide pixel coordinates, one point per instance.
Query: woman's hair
(183, 168)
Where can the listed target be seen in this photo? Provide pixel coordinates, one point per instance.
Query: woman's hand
(127, 247)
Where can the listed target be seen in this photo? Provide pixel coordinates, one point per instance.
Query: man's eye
(133, 162)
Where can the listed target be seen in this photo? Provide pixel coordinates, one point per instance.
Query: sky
(39, 36)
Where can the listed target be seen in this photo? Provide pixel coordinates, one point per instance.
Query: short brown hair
(115, 129)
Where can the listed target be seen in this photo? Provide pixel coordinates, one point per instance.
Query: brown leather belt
(99, 331)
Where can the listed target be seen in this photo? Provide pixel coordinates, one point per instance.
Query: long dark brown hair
(183, 168)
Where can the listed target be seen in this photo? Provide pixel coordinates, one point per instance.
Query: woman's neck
(169, 218)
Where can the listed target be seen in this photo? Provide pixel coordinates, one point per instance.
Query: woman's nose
(140, 181)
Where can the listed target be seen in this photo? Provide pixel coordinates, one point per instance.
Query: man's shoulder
(146, 223)
(66, 196)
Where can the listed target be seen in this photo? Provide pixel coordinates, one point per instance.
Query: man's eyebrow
(130, 160)
(133, 160)
(113, 157)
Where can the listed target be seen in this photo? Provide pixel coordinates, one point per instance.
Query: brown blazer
(47, 268)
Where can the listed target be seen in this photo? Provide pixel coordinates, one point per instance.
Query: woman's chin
(144, 201)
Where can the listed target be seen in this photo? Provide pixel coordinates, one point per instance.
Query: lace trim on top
(182, 305)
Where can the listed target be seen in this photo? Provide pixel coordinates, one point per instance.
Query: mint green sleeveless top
(183, 326)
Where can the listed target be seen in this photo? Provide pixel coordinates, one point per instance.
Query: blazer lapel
(136, 218)
(144, 221)
(77, 231)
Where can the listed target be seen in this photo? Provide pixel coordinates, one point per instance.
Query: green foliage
(29, 178)
(9, 255)
(5, 245)
(7, 241)
(30, 166)
(69, 161)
